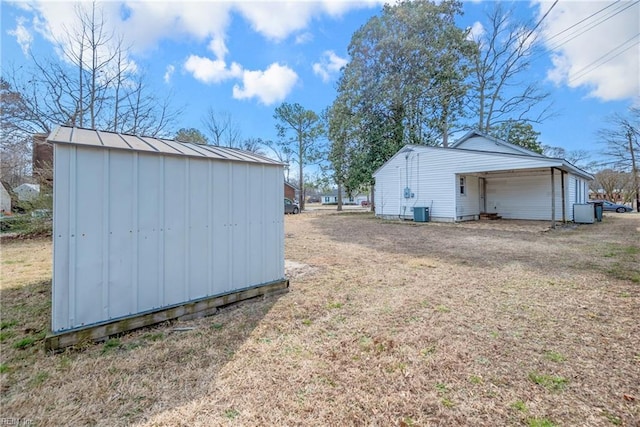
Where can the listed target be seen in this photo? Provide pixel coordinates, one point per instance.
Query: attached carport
(521, 192)
(483, 175)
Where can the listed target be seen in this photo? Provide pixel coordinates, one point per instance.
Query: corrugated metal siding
(136, 231)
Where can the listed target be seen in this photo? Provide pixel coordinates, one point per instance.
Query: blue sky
(245, 58)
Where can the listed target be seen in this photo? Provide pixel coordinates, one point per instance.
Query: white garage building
(478, 175)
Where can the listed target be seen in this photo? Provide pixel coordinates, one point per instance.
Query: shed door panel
(254, 255)
(240, 231)
(90, 211)
(221, 207)
(122, 234)
(149, 292)
(198, 246)
(62, 182)
(175, 220)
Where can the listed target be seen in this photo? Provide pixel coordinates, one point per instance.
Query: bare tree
(223, 130)
(91, 49)
(284, 154)
(613, 185)
(15, 144)
(93, 82)
(622, 145)
(500, 90)
(15, 151)
(580, 158)
(142, 113)
(255, 145)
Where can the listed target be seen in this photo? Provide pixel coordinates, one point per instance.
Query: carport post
(564, 209)
(553, 199)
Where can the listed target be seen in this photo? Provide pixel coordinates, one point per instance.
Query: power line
(584, 30)
(582, 20)
(585, 70)
(540, 21)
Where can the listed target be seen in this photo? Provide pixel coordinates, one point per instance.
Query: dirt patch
(386, 323)
(294, 270)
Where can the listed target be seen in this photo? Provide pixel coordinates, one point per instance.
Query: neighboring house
(331, 198)
(478, 175)
(27, 192)
(290, 191)
(617, 196)
(5, 199)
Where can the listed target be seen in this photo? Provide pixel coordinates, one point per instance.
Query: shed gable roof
(112, 140)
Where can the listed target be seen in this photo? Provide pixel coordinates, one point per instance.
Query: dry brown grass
(387, 323)
(24, 261)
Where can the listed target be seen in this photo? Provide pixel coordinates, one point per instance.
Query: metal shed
(144, 224)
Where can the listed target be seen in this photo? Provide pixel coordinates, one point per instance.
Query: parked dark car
(290, 207)
(612, 207)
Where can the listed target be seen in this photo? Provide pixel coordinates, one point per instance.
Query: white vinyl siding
(432, 184)
(482, 144)
(578, 192)
(524, 195)
(468, 204)
(517, 186)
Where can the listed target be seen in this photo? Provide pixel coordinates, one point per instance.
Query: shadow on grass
(122, 380)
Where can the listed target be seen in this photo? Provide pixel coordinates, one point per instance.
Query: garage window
(463, 186)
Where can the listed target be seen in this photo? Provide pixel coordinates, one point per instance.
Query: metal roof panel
(85, 137)
(136, 143)
(112, 140)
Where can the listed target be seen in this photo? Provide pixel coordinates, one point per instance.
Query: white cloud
(304, 38)
(142, 23)
(269, 86)
(596, 58)
(145, 23)
(211, 71)
(329, 65)
(277, 20)
(149, 22)
(23, 35)
(169, 73)
(218, 47)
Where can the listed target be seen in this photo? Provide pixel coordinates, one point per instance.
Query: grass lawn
(387, 323)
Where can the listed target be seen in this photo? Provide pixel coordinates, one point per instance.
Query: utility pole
(634, 170)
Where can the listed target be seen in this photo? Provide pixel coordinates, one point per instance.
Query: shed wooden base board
(192, 309)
